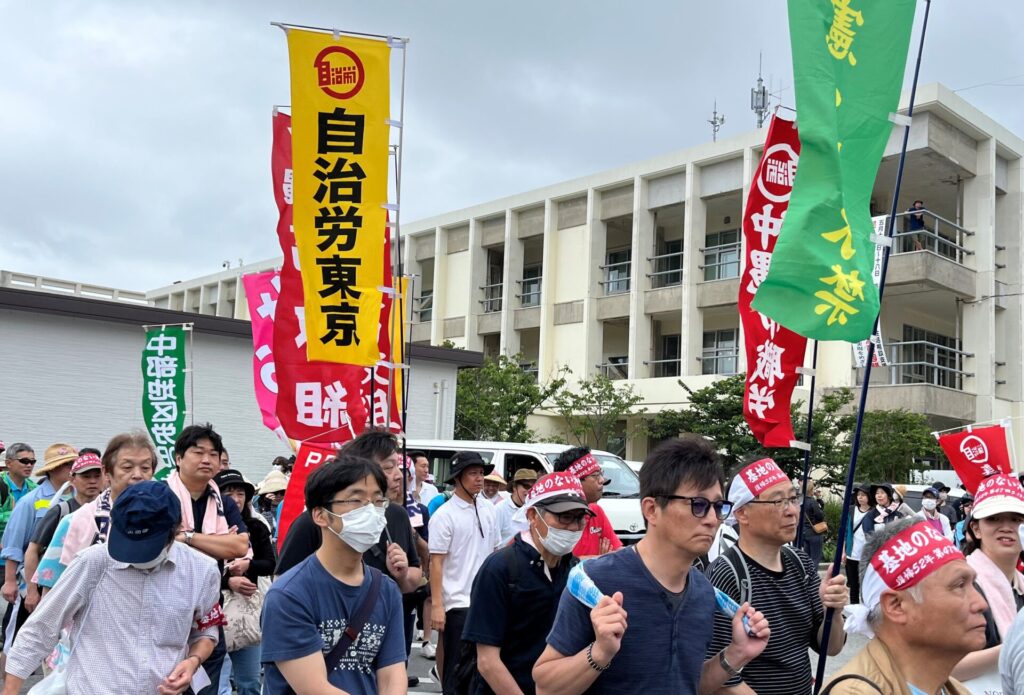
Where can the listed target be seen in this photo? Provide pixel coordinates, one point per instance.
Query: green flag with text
(848, 63)
(163, 390)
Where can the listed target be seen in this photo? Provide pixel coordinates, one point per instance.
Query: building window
(617, 271)
(667, 363)
(720, 354)
(925, 357)
(424, 308)
(530, 286)
(668, 265)
(722, 255)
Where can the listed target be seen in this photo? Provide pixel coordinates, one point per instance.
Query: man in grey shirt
(1011, 658)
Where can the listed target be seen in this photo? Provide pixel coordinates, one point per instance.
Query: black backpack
(740, 572)
(466, 673)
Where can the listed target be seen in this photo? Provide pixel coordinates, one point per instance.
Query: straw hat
(276, 481)
(56, 456)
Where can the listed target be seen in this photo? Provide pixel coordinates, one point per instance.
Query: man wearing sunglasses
(651, 630)
(15, 480)
(599, 537)
(516, 592)
(780, 580)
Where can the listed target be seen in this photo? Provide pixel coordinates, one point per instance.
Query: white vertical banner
(860, 350)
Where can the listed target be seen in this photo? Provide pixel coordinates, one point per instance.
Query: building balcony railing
(491, 302)
(721, 262)
(923, 362)
(667, 270)
(663, 368)
(723, 361)
(616, 277)
(937, 234)
(423, 308)
(531, 369)
(614, 370)
(529, 292)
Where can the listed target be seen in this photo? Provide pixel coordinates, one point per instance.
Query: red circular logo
(339, 72)
(778, 172)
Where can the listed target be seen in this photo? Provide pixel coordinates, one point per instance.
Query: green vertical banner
(848, 63)
(163, 390)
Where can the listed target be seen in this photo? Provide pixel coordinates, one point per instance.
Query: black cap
(940, 486)
(231, 477)
(463, 460)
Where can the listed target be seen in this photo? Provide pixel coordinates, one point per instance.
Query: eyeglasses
(27, 462)
(795, 501)
(380, 503)
(573, 520)
(700, 506)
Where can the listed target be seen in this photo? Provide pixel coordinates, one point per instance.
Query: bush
(833, 512)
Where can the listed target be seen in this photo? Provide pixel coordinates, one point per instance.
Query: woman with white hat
(992, 548)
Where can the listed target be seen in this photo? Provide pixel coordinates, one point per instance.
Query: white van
(621, 501)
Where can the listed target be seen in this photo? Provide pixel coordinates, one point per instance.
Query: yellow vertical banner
(340, 137)
(399, 332)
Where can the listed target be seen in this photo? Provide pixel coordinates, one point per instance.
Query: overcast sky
(135, 141)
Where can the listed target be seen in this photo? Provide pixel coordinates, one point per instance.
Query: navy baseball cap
(141, 522)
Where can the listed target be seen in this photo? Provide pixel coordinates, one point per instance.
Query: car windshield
(624, 482)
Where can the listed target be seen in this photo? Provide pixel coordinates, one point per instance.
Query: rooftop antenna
(716, 121)
(759, 97)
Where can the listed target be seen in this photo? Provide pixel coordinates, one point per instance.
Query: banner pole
(844, 519)
(807, 452)
(398, 272)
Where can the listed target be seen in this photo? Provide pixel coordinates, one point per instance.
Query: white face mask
(155, 562)
(361, 528)
(559, 541)
(929, 504)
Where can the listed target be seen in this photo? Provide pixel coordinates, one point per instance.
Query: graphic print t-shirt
(307, 610)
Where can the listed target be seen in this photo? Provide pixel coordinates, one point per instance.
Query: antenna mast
(716, 121)
(759, 97)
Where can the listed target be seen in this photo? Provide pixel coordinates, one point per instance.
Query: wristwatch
(727, 667)
(188, 537)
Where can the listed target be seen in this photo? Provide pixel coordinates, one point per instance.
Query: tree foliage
(594, 409)
(493, 401)
(893, 443)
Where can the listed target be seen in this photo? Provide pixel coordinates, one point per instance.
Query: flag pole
(807, 451)
(844, 520)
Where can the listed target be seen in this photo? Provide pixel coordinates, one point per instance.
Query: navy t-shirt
(663, 647)
(307, 610)
(514, 609)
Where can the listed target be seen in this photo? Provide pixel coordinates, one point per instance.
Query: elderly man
(19, 461)
(141, 606)
(921, 608)
(780, 580)
(29, 511)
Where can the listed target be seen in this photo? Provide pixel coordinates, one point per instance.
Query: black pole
(807, 452)
(855, 448)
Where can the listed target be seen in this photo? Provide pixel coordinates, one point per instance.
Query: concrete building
(71, 373)
(633, 273)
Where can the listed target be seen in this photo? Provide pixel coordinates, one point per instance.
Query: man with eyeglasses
(599, 537)
(780, 580)
(516, 592)
(669, 604)
(508, 526)
(332, 623)
(462, 534)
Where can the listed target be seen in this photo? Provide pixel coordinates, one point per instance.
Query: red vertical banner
(773, 352)
(308, 459)
(977, 452)
(315, 400)
(261, 291)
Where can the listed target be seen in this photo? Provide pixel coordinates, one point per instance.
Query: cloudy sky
(136, 135)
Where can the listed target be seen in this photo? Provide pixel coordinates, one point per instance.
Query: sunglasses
(700, 506)
(27, 462)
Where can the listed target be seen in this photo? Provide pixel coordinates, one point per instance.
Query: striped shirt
(790, 601)
(132, 626)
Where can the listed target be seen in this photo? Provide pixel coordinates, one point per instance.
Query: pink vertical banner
(261, 292)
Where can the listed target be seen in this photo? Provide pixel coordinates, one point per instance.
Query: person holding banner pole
(844, 520)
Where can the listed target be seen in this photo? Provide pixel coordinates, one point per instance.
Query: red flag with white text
(773, 352)
(308, 459)
(977, 452)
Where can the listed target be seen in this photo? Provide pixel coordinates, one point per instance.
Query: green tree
(892, 445)
(493, 401)
(716, 412)
(594, 410)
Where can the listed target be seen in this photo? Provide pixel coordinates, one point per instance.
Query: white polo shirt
(455, 533)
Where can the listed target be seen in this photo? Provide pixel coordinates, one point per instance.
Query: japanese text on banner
(861, 349)
(163, 391)
(773, 352)
(340, 155)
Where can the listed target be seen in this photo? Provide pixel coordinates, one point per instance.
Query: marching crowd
(120, 583)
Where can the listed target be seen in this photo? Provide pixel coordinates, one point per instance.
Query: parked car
(621, 501)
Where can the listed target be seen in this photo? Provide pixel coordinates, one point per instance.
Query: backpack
(466, 673)
(740, 572)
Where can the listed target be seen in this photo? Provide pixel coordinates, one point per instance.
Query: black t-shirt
(813, 514)
(231, 512)
(43, 533)
(304, 539)
(519, 617)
